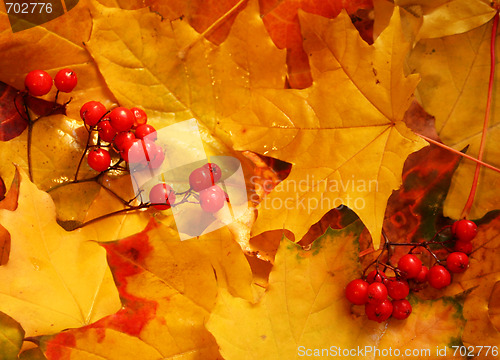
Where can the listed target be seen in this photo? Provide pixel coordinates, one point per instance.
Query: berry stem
(441, 145)
(87, 146)
(472, 194)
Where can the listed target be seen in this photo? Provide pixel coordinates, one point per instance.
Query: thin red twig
(472, 194)
(437, 143)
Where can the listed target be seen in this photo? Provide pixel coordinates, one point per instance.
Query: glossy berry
(140, 117)
(464, 230)
(212, 199)
(99, 159)
(397, 289)
(144, 130)
(121, 119)
(162, 194)
(156, 157)
(106, 131)
(379, 312)
(141, 153)
(91, 112)
(123, 140)
(375, 276)
(38, 82)
(457, 262)
(200, 179)
(422, 275)
(377, 292)
(357, 292)
(65, 80)
(401, 309)
(463, 246)
(410, 265)
(438, 277)
(215, 171)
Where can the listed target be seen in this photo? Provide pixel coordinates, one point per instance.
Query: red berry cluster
(39, 82)
(385, 296)
(124, 131)
(201, 181)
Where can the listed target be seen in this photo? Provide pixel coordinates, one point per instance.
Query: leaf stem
(183, 52)
(441, 145)
(472, 194)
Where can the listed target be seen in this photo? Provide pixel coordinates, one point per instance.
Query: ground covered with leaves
(336, 111)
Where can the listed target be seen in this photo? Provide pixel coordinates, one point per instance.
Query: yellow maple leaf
(54, 279)
(348, 149)
(455, 71)
(296, 317)
(168, 287)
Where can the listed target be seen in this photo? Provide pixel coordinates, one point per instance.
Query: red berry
(38, 82)
(124, 140)
(410, 265)
(215, 172)
(397, 289)
(212, 199)
(65, 80)
(357, 292)
(379, 312)
(140, 116)
(162, 194)
(106, 131)
(200, 179)
(134, 147)
(375, 276)
(457, 262)
(136, 153)
(463, 246)
(91, 112)
(401, 309)
(144, 130)
(377, 292)
(99, 159)
(422, 275)
(438, 277)
(464, 230)
(156, 157)
(121, 119)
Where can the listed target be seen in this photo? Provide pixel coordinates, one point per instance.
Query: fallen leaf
(11, 337)
(12, 124)
(58, 144)
(168, 287)
(352, 157)
(54, 279)
(214, 16)
(431, 330)
(459, 65)
(8, 202)
(306, 296)
(448, 17)
(32, 354)
(282, 22)
(481, 280)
